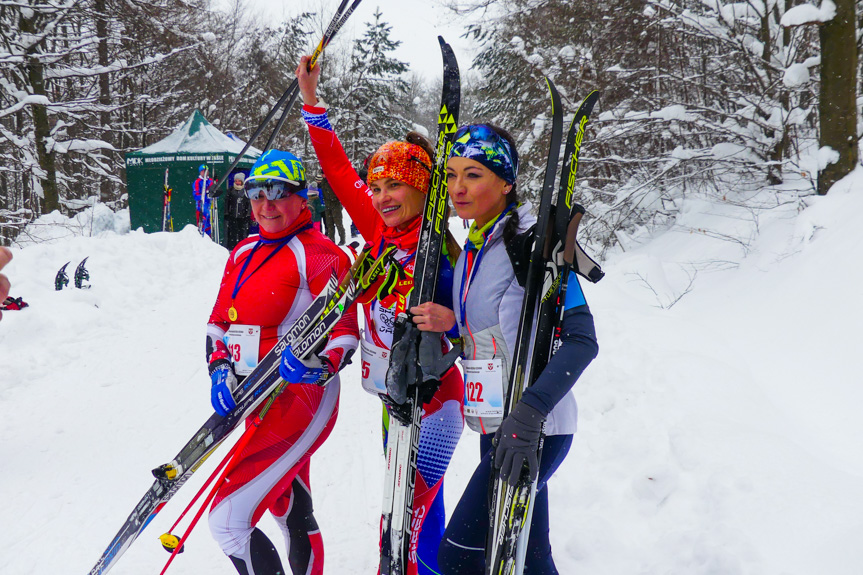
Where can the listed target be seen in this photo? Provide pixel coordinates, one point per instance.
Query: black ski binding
(81, 275)
(61, 280)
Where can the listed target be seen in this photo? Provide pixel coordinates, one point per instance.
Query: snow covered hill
(719, 430)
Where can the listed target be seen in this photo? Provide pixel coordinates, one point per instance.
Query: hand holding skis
(308, 80)
(294, 370)
(517, 441)
(224, 382)
(431, 316)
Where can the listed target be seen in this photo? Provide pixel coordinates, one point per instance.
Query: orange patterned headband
(401, 161)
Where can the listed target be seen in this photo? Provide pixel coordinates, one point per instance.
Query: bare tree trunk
(837, 106)
(104, 90)
(41, 127)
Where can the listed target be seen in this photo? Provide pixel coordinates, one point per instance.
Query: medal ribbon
(282, 242)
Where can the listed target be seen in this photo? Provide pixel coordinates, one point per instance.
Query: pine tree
(375, 107)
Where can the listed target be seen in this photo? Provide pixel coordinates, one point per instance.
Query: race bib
(244, 342)
(374, 363)
(483, 387)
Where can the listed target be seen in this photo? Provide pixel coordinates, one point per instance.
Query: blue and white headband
(479, 142)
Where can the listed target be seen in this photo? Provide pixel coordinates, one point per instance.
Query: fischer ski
(404, 379)
(306, 335)
(555, 253)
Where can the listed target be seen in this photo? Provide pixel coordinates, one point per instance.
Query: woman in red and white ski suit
(269, 281)
(388, 212)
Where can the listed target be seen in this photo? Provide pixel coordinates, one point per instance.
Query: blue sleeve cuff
(454, 332)
(318, 120)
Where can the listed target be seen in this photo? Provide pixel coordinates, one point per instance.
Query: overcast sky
(416, 23)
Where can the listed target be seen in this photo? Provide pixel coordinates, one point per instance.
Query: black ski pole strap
(519, 250)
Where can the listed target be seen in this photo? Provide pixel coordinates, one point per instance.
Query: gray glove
(403, 364)
(517, 441)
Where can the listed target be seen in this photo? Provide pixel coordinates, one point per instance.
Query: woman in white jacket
(481, 176)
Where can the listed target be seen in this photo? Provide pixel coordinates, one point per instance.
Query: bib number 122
(473, 390)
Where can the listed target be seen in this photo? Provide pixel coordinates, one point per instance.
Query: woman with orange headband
(387, 210)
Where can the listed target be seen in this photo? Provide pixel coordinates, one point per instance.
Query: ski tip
(555, 96)
(589, 102)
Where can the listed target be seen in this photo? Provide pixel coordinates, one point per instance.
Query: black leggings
(462, 550)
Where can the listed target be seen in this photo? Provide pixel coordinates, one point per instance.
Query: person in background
(269, 281)
(5, 284)
(317, 208)
(238, 210)
(333, 213)
(202, 200)
(481, 179)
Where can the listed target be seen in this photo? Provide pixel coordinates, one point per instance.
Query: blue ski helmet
(280, 166)
(202, 167)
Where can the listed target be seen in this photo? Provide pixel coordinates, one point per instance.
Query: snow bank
(719, 430)
(93, 221)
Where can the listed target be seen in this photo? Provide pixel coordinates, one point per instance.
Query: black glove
(517, 441)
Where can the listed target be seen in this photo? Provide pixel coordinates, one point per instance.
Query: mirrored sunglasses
(271, 189)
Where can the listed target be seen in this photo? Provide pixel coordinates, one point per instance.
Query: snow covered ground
(719, 433)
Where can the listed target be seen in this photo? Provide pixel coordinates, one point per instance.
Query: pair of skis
(403, 390)
(555, 253)
(307, 334)
(290, 96)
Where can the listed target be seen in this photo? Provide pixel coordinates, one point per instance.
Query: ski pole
(234, 460)
(169, 541)
(291, 94)
(325, 40)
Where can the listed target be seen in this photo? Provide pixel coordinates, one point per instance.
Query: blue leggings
(462, 550)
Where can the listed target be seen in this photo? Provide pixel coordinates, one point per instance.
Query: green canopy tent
(194, 143)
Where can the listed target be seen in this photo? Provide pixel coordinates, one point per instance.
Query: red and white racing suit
(268, 282)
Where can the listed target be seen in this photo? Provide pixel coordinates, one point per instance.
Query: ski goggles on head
(273, 189)
(482, 144)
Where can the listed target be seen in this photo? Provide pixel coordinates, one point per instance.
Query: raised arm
(351, 190)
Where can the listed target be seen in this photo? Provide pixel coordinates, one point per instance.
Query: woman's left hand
(308, 80)
(433, 317)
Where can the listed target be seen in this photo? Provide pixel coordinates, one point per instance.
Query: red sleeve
(351, 190)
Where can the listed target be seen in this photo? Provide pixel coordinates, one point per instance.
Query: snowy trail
(716, 437)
